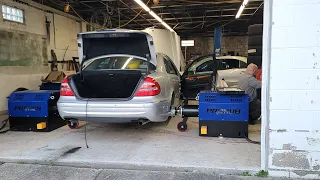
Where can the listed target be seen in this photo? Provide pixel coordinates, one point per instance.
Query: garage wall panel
(291, 120)
(66, 31)
(294, 141)
(34, 19)
(295, 37)
(65, 39)
(306, 58)
(303, 141)
(25, 48)
(280, 100)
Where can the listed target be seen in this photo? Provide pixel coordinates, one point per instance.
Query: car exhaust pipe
(142, 122)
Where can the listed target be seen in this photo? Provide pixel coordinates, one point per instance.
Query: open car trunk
(119, 84)
(101, 43)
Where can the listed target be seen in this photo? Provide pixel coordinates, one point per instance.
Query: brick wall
(204, 45)
(236, 44)
(294, 137)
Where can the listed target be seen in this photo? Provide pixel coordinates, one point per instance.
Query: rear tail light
(149, 87)
(65, 89)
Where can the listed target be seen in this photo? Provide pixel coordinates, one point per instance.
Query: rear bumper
(113, 112)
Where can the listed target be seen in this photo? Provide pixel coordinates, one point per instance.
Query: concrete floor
(155, 146)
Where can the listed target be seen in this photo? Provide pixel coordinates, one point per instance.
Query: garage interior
(52, 26)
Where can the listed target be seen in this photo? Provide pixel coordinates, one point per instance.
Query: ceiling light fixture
(244, 3)
(154, 15)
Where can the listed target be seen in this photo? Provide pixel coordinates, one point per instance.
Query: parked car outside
(198, 74)
(123, 80)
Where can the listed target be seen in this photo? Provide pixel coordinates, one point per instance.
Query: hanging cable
(133, 17)
(249, 140)
(106, 19)
(4, 124)
(109, 9)
(80, 17)
(203, 19)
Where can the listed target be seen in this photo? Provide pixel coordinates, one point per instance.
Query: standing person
(252, 86)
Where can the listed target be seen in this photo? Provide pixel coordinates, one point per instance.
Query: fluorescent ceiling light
(240, 11)
(146, 8)
(167, 26)
(244, 3)
(155, 16)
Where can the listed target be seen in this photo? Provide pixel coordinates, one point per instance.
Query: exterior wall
(25, 48)
(204, 45)
(294, 125)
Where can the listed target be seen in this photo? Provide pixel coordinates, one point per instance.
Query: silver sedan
(121, 88)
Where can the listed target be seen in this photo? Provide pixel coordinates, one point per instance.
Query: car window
(119, 62)
(243, 64)
(225, 64)
(170, 66)
(205, 67)
(193, 68)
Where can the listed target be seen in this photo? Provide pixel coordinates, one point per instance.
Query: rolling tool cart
(34, 111)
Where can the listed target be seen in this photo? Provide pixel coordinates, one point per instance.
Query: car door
(174, 77)
(197, 77)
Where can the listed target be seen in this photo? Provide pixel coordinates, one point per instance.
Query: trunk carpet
(107, 83)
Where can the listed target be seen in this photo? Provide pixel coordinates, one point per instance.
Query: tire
(257, 60)
(255, 51)
(256, 29)
(255, 40)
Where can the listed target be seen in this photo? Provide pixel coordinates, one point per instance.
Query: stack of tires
(255, 44)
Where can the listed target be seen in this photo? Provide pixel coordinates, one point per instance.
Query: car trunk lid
(100, 43)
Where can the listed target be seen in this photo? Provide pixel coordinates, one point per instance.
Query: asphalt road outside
(11, 171)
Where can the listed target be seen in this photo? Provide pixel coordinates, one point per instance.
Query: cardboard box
(57, 76)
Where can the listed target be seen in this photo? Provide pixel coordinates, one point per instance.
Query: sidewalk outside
(51, 172)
